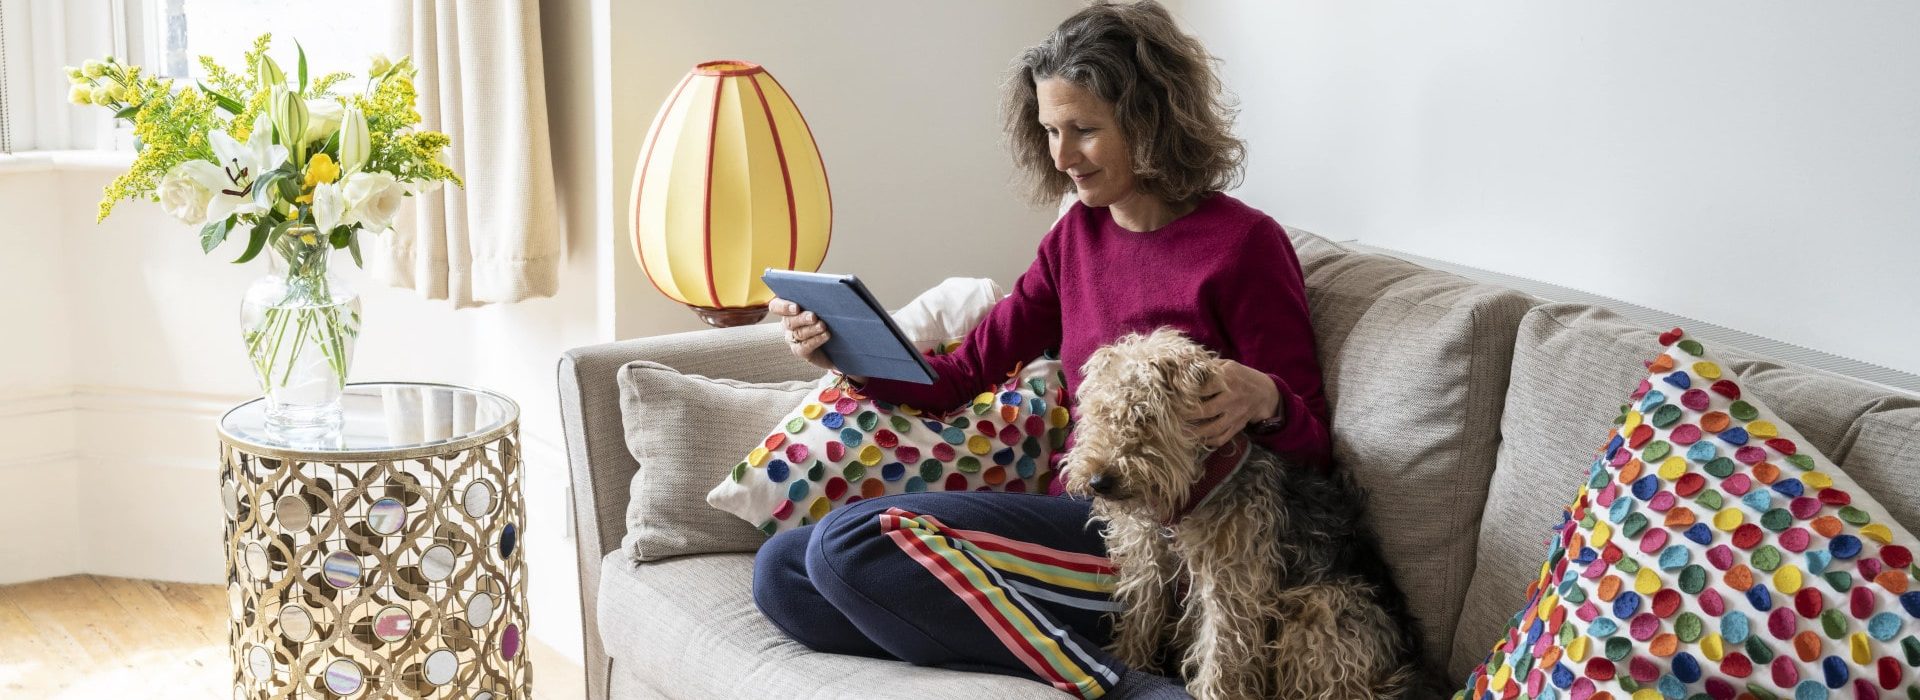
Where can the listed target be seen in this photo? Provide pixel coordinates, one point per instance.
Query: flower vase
(299, 323)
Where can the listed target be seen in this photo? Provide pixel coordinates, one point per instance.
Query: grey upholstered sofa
(1469, 409)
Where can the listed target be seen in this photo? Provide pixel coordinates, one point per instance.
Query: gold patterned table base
(384, 579)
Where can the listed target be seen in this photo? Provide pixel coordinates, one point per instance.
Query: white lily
(329, 207)
(290, 116)
(355, 144)
(241, 164)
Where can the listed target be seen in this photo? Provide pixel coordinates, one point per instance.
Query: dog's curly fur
(1288, 596)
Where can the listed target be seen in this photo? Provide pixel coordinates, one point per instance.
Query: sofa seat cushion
(688, 627)
(1415, 362)
(1570, 365)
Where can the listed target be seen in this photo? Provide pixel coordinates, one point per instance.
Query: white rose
(374, 199)
(329, 208)
(188, 187)
(323, 117)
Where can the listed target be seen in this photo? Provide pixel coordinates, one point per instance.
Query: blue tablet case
(862, 339)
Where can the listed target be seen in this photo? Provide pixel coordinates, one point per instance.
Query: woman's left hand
(1238, 395)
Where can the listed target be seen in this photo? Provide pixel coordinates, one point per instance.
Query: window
(16, 94)
(167, 37)
(338, 35)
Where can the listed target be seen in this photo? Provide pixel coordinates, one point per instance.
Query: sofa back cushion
(1569, 365)
(1415, 362)
(687, 431)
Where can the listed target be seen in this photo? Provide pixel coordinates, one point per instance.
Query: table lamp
(729, 183)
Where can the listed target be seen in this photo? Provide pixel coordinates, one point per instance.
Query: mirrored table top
(384, 420)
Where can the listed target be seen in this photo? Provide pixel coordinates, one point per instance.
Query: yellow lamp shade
(729, 183)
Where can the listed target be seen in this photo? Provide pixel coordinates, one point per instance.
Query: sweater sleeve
(1021, 326)
(1264, 318)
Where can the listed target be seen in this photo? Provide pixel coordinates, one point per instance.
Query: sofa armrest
(602, 469)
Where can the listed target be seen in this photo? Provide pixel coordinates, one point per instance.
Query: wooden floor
(100, 637)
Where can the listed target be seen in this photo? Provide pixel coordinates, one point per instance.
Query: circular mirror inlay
(480, 610)
(296, 623)
(478, 499)
(392, 624)
(293, 513)
(387, 516)
(508, 538)
(440, 667)
(437, 563)
(343, 677)
(341, 569)
(257, 561)
(259, 663)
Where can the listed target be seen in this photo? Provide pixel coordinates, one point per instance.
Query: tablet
(862, 339)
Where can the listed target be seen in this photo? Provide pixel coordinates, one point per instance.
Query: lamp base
(728, 318)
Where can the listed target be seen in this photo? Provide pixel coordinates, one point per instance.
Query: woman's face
(1086, 142)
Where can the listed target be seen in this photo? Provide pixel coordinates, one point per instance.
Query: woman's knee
(779, 574)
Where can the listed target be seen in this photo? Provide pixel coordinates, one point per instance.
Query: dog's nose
(1103, 484)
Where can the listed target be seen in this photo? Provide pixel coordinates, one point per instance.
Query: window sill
(64, 161)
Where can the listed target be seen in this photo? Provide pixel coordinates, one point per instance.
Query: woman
(1121, 108)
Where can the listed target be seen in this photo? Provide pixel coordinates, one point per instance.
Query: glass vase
(299, 323)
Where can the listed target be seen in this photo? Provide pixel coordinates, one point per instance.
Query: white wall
(1768, 148)
(38, 457)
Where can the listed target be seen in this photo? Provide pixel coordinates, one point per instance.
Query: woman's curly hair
(1166, 97)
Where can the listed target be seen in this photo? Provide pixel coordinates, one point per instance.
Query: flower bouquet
(293, 167)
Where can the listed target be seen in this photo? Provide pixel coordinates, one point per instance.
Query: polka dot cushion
(1712, 553)
(839, 447)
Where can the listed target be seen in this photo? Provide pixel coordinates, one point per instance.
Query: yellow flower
(321, 170)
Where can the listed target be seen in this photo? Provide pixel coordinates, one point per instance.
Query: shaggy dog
(1286, 593)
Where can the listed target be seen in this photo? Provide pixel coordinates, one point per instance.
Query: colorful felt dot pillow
(1713, 553)
(839, 447)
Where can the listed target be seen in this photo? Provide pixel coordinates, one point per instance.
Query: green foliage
(172, 127)
(172, 122)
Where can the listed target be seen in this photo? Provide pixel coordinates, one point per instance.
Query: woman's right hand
(805, 333)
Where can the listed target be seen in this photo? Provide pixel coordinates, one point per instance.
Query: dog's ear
(1198, 372)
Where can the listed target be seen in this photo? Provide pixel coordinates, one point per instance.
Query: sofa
(1470, 410)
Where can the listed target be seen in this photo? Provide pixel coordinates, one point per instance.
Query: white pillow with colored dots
(838, 447)
(1712, 553)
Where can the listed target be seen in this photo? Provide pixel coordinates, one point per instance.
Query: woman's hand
(805, 333)
(1238, 395)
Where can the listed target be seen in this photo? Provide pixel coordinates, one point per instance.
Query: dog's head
(1133, 448)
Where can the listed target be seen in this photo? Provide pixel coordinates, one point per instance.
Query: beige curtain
(497, 240)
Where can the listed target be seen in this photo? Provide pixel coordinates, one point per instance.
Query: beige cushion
(1572, 366)
(1415, 362)
(689, 626)
(1311, 248)
(686, 431)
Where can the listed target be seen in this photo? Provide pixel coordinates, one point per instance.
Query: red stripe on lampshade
(828, 181)
(640, 183)
(706, 212)
(793, 217)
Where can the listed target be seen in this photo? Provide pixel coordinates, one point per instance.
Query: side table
(382, 561)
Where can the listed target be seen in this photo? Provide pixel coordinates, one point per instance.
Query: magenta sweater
(1225, 274)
